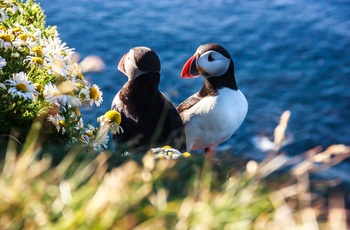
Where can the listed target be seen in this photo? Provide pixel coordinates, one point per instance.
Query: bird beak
(190, 69)
(121, 64)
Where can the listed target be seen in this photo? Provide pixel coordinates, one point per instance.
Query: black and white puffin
(212, 115)
(149, 119)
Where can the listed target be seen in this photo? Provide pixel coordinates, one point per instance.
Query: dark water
(289, 55)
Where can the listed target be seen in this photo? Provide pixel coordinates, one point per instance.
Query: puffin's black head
(210, 60)
(139, 60)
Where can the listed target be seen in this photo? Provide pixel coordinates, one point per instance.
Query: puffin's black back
(149, 119)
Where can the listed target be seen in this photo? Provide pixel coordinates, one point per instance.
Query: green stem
(30, 72)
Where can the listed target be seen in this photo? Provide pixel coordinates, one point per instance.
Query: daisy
(67, 96)
(58, 64)
(101, 143)
(21, 86)
(91, 131)
(37, 51)
(75, 72)
(111, 119)
(68, 100)
(55, 46)
(2, 62)
(97, 145)
(88, 136)
(93, 94)
(24, 40)
(59, 122)
(5, 41)
(86, 140)
(77, 120)
(29, 31)
(34, 60)
(50, 92)
(57, 56)
(14, 8)
(54, 95)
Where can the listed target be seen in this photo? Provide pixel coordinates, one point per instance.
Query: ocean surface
(289, 55)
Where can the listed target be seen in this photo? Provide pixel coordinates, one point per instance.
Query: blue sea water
(289, 55)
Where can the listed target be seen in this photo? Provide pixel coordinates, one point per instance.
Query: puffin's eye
(210, 58)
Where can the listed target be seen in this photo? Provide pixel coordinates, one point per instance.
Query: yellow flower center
(16, 30)
(22, 87)
(89, 133)
(77, 111)
(38, 60)
(2, 28)
(186, 154)
(113, 116)
(82, 96)
(38, 87)
(38, 51)
(5, 37)
(62, 123)
(81, 76)
(79, 85)
(23, 37)
(93, 93)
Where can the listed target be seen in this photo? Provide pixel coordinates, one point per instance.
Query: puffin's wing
(125, 110)
(188, 103)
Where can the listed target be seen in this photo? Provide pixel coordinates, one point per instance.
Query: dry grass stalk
(133, 196)
(337, 212)
(279, 134)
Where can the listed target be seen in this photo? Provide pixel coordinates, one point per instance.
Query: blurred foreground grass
(105, 191)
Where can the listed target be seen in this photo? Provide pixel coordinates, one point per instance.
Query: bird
(149, 118)
(212, 115)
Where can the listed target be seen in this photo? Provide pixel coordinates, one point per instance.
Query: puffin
(212, 115)
(149, 118)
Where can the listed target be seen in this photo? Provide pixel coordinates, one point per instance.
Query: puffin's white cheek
(214, 68)
(129, 68)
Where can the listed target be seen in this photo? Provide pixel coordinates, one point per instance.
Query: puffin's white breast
(214, 119)
(116, 103)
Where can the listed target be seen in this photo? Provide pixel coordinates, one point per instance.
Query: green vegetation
(39, 79)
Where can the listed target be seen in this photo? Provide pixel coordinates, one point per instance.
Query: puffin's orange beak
(121, 64)
(190, 69)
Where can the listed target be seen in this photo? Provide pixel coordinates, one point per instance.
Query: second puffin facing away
(212, 115)
(149, 119)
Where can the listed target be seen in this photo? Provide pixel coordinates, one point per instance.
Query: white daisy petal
(2, 62)
(21, 86)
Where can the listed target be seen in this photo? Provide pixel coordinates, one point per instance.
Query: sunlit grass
(46, 184)
(89, 191)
